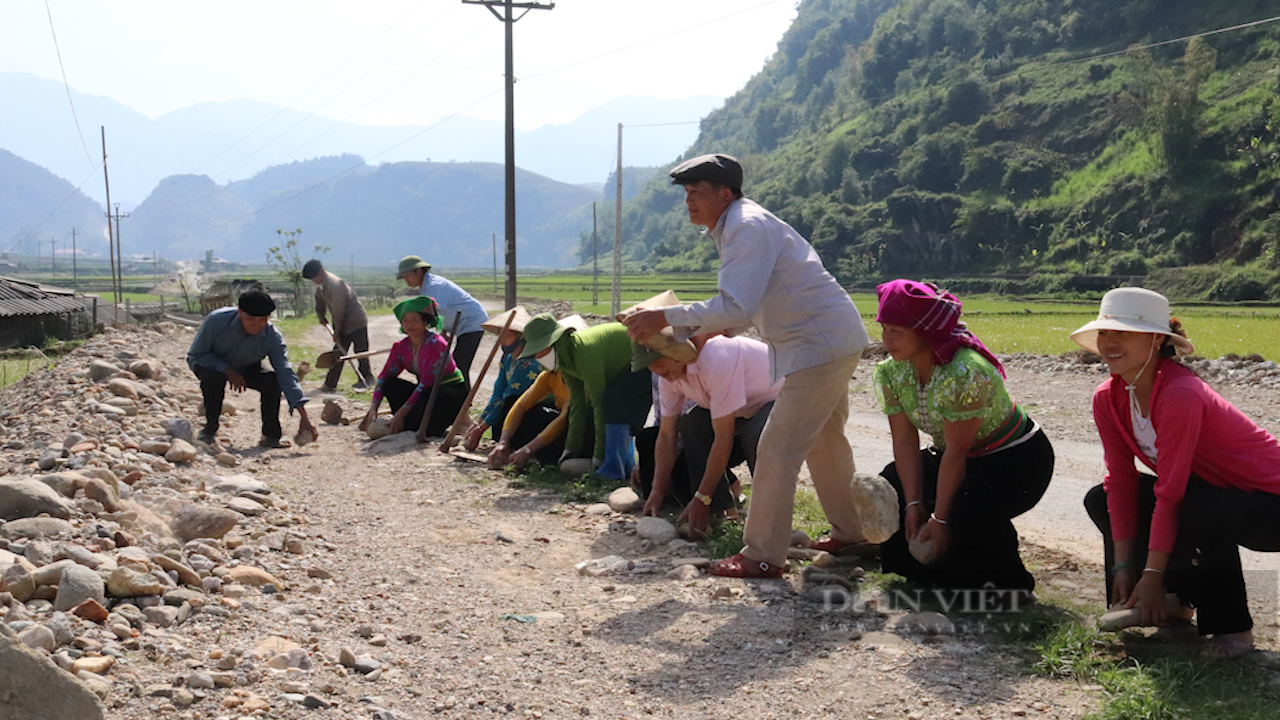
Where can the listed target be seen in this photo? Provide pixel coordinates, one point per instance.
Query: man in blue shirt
(451, 300)
(228, 349)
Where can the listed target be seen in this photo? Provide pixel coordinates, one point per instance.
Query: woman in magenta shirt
(423, 354)
(1215, 482)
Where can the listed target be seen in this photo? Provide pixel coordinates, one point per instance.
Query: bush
(1243, 284)
(1127, 263)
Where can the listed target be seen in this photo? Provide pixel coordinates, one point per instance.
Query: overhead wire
(308, 91)
(62, 68)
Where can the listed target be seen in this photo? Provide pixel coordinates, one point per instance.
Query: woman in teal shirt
(988, 464)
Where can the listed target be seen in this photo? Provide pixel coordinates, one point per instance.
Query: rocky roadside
(382, 579)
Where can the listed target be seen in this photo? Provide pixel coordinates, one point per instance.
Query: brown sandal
(741, 566)
(861, 548)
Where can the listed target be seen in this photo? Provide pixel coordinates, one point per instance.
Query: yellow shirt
(548, 383)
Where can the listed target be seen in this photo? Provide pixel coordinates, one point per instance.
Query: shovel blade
(328, 359)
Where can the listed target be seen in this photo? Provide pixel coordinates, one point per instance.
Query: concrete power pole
(75, 282)
(508, 19)
(617, 234)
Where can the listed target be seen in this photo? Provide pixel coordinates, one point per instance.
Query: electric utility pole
(119, 271)
(75, 281)
(508, 18)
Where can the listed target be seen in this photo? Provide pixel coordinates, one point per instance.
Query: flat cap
(256, 303)
(311, 269)
(718, 169)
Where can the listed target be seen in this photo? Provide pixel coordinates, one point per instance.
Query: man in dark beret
(229, 349)
(770, 277)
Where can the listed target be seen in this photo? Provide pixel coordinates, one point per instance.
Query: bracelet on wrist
(937, 519)
(1151, 569)
(914, 502)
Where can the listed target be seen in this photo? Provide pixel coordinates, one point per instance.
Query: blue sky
(392, 62)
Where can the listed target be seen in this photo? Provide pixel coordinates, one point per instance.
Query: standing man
(450, 299)
(228, 350)
(770, 277)
(733, 390)
(350, 324)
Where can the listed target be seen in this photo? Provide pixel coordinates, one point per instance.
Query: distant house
(226, 292)
(30, 313)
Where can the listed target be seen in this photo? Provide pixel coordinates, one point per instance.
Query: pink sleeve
(428, 355)
(391, 369)
(670, 399)
(1121, 480)
(1177, 416)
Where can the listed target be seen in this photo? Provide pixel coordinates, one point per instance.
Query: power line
(317, 84)
(63, 69)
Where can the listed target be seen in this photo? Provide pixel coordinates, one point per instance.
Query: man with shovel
(350, 324)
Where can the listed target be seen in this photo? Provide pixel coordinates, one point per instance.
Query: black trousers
(360, 339)
(464, 351)
(1204, 567)
(213, 388)
(697, 434)
(449, 400)
(627, 399)
(535, 420)
(983, 547)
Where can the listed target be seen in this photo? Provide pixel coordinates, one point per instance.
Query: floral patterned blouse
(967, 387)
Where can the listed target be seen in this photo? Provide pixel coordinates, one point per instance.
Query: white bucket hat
(1131, 310)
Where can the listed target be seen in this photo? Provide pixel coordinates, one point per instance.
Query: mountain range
(236, 139)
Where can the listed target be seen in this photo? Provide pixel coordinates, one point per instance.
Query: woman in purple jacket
(1215, 484)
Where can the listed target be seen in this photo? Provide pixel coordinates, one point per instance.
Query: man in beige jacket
(350, 324)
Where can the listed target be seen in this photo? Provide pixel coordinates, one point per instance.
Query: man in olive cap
(770, 277)
(228, 350)
(350, 323)
(451, 300)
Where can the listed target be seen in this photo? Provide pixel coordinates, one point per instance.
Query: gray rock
(684, 573)
(877, 505)
(161, 615)
(922, 550)
(72, 440)
(625, 500)
(245, 506)
(195, 521)
(155, 447)
(366, 664)
(33, 687)
(38, 637)
(37, 528)
(200, 681)
(314, 702)
(655, 530)
(63, 631)
(101, 491)
(64, 483)
(179, 428)
(124, 583)
(181, 451)
(18, 582)
(346, 658)
(50, 573)
(236, 484)
(101, 370)
(26, 498)
(123, 388)
(925, 623)
(77, 584)
(48, 461)
(145, 369)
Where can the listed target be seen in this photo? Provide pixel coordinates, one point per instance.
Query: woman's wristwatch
(704, 499)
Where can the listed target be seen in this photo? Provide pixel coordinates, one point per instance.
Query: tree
(287, 262)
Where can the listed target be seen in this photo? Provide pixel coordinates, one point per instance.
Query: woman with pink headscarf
(989, 461)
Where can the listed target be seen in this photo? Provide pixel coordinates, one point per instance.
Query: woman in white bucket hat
(1214, 482)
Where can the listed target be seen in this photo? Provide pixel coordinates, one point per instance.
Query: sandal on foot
(861, 548)
(1226, 648)
(276, 444)
(741, 566)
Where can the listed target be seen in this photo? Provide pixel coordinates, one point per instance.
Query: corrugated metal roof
(22, 297)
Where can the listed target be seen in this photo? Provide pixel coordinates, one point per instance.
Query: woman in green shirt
(989, 462)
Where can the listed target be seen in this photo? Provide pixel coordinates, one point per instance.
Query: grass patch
(13, 369)
(589, 488)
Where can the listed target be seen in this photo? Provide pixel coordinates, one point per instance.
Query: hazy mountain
(37, 206)
(234, 140)
(447, 212)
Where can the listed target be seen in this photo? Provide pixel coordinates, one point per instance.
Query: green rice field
(1006, 325)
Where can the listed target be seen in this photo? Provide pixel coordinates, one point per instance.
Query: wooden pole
(466, 406)
(111, 243)
(595, 259)
(616, 306)
(421, 435)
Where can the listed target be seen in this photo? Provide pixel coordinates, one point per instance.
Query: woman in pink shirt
(423, 354)
(1216, 482)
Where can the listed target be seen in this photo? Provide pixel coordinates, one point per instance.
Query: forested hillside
(1029, 145)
